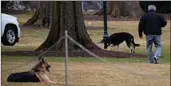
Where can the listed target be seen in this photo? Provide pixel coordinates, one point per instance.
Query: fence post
(66, 58)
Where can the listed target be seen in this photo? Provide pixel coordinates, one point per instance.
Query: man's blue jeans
(157, 42)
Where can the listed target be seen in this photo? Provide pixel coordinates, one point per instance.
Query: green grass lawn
(91, 71)
(5, 58)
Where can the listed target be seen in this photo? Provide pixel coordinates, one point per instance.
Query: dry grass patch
(101, 74)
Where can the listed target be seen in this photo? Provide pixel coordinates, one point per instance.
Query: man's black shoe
(155, 60)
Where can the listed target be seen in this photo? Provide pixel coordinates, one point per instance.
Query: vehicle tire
(10, 35)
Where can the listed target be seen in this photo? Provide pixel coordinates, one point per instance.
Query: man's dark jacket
(151, 24)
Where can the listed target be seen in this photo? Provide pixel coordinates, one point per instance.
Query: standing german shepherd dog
(118, 38)
(37, 74)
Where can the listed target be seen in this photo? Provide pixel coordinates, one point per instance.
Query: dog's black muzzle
(48, 68)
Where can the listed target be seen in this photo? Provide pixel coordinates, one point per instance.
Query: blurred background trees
(122, 9)
(117, 9)
(114, 8)
(12, 7)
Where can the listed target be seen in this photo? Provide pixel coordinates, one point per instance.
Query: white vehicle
(10, 30)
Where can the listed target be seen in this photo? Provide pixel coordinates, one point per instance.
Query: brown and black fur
(117, 38)
(37, 74)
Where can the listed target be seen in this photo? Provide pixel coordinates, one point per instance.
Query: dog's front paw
(52, 82)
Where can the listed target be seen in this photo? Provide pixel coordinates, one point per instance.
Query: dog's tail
(132, 41)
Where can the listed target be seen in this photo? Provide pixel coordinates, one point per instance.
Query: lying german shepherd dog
(37, 74)
(117, 38)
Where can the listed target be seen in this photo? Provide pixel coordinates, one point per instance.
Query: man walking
(151, 24)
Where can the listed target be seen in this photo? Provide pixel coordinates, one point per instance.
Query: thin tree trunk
(41, 17)
(113, 8)
(67, 16)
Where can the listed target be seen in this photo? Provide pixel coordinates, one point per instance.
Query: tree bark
(41, 17)
(67, 16)
(122, 8)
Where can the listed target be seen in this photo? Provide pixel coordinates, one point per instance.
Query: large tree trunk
(134, 9)
(67, 16)
(122, 8)
(41, 16)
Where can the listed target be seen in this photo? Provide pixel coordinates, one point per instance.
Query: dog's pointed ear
(40, 57)
(43, 60)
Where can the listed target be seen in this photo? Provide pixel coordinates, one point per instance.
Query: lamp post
(105, 35)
